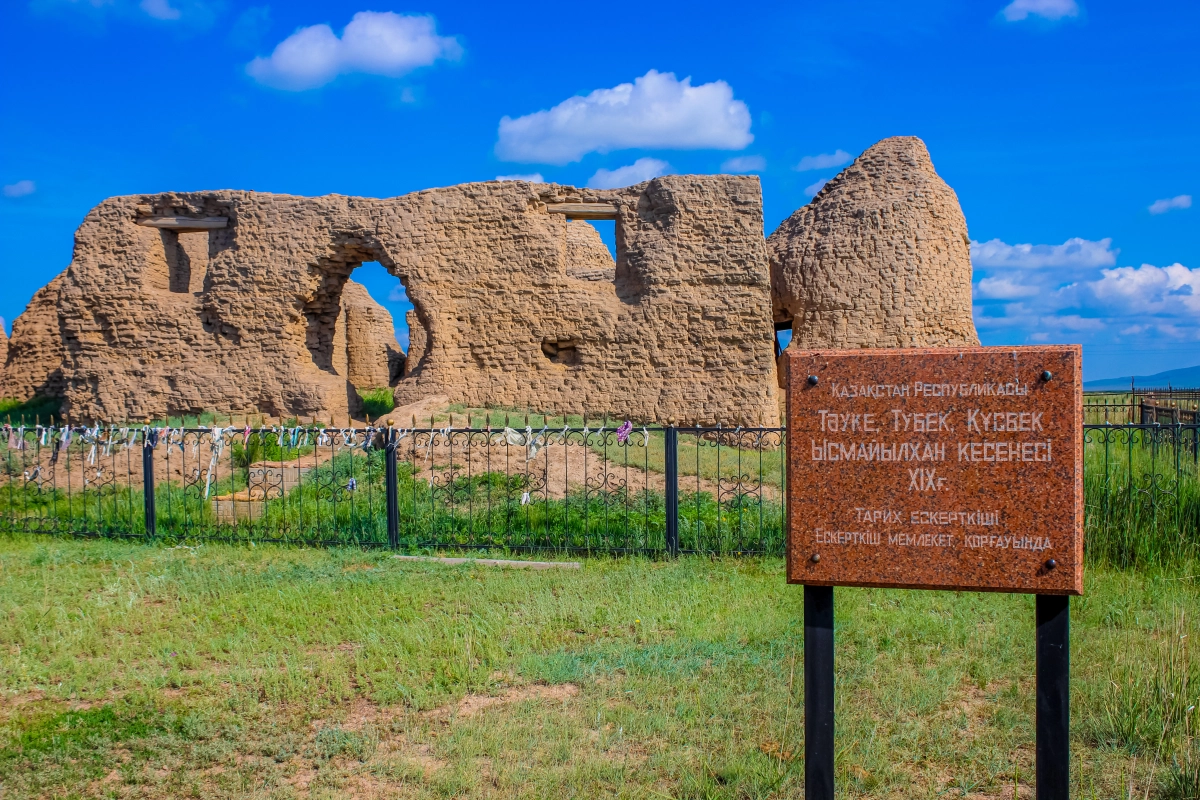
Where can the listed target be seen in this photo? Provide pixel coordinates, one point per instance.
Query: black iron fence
(626, 489)
(1144, 406)
(1142, 492)
(606, 488)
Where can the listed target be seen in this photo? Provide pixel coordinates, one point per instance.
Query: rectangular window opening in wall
(589, 256)
(187, 260)
(608, 233)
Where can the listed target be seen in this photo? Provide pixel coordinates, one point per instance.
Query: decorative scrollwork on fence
(606, 486)
(264, 483)
(193, 467)
(101, 479)
(1137, 467)
(39, 479)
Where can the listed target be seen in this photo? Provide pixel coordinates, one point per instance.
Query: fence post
(671, 455)
(149, 439)
(390, 481)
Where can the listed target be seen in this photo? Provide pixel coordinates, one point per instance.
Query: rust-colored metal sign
(936, 468)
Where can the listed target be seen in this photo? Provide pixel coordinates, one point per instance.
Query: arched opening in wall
(363, 327)
(388, 291)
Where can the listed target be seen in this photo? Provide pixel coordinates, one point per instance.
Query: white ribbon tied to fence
(218, 444)
(529, 440)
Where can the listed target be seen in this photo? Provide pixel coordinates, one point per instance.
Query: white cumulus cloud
(813, 188)
(1151, 290)
(641, 170)
(655, 111)
(1171, 203)
(532, 177)
(160, 9)
(1075, 252)
(744, 164)
(1003, 289)
(824, 161)
(376, 43)
(19, 189)
(1019, 10)
(1074, 292)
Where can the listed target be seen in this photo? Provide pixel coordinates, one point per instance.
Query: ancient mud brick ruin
(179, 303)
(36, 353)
(879, 258)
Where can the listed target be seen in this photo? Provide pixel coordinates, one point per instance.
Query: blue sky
(1067, 127)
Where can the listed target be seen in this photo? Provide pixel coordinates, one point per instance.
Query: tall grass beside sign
(1142, 495)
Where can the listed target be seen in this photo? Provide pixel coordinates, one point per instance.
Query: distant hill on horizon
(1184, 378)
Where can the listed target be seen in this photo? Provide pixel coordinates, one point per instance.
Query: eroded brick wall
(514, 306)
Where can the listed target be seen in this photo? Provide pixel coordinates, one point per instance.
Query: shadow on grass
(30, 412)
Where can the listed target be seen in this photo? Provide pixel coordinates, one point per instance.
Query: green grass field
(234, 671)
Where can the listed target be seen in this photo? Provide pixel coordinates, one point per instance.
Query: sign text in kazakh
(936, 468)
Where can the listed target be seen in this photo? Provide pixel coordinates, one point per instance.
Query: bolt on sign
(936, 468)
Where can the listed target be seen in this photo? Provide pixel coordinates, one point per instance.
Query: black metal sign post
(953, 469)
(1053, 723)
(818, 693)
(1053, 662)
